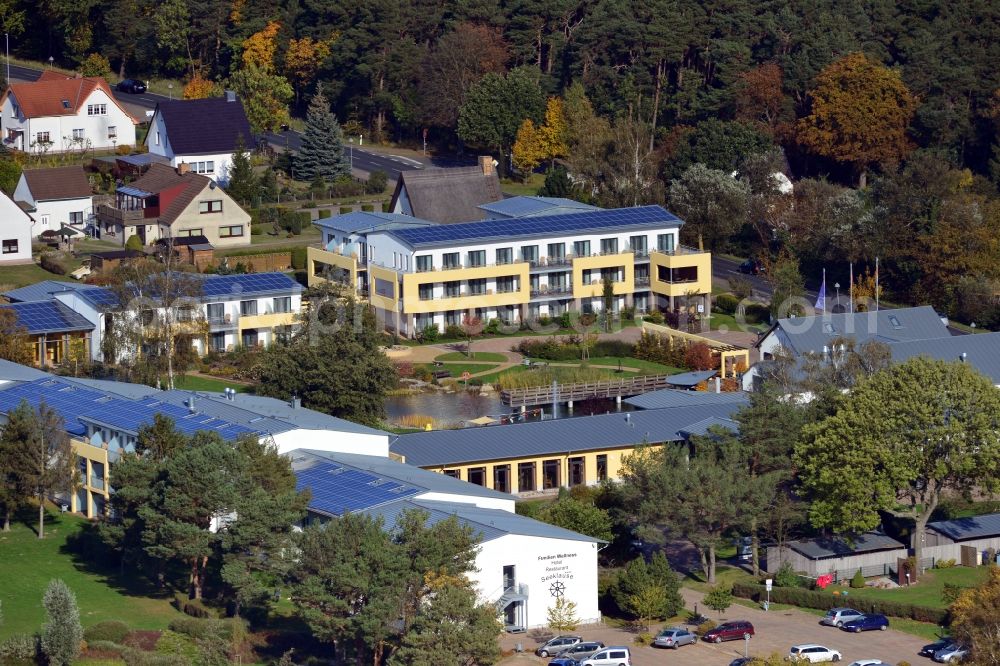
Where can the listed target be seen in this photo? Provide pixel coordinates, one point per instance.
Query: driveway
(776, 631)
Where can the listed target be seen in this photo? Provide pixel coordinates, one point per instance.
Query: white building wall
(52, 215)
(339, 442)
(72, 300)
(15, 228)
(221, 164)
(540, 563)
(156, 138)
(60, 128)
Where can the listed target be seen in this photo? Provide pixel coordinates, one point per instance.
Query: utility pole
(6, 39)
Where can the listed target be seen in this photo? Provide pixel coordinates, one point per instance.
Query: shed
(106, 261)
(872, 552)
(944, 539)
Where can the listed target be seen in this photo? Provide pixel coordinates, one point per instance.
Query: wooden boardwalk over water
(609, 388)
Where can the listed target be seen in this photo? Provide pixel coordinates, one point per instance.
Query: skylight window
(894, 320)
(828, 328)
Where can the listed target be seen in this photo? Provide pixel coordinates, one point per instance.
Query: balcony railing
(225, 321)
(552, 290)
(461, 267)
(96, 482)
(106, 212)
(642, 281)
(679, 250)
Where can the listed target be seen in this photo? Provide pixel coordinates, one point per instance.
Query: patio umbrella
(66, 232)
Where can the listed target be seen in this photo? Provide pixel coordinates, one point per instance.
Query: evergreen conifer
(322, 152)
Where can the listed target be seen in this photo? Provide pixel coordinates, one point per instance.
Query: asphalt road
(362, 160)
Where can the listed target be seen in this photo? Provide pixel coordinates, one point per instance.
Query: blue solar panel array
(78, 405)
(536, 226)
(49, 317)
(337, 488)
(218, 286)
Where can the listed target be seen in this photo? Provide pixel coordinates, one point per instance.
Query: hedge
(114, 631)
(796, 596)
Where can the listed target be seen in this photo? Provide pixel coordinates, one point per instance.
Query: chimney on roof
(961, 357)
(486, 164)
(718, 385)
(183, 168)
(295, 402)
(230, 96)
(230, 393)
(190, 404)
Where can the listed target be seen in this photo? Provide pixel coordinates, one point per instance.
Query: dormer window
(65, 104)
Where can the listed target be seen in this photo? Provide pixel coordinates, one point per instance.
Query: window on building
(638, 245)
(97, 109)
(453, 318)
(665, 242)
(112, 132)
(425, 262)
(453, 473)
(577, 471)
(185, 313)
(216, 313)
(187, 233)
(501, 478)
(79, 135)
(248, 308)
(218, 342)
(426, 291)
(529, 253)
(505, 255)
(477, 257)
(581, 248)
(550, 474)
(535, 283)
(231, 232)
(203, 167)
(450, 260)
(42, 137)
(282, 304)
(76, 217)
(157, 137)
(506, 284)
(602, 467)
(250, 338)
(557, 252)
(525, 477)
(213, 206)
(10, 246)
(477, 475)
(477, 286)
(452, 289)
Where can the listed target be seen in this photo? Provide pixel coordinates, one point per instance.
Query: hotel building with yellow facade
(533, 258)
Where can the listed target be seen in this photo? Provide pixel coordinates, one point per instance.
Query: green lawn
(456, 369)
(927, 592)
(493, 357)
(528, 188)
(12, 277)
(199, 383)
(718, 320)
(725, 576)
(28, 564)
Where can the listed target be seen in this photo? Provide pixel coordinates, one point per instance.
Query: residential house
(61, 114)
(874, 553)
(527, 458)
(202, 133)
(15, 232)
(418, 274)
(449, 195)
(521, 564)
(171, 202)
(56, 197)
(965, 540)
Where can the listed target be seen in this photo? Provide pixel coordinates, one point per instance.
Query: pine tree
(322, 152)
(242, 183)
(62, 632)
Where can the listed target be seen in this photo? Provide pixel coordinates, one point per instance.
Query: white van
(610, 656)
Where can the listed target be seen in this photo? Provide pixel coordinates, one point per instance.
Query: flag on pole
(851, 297)
(821, 301)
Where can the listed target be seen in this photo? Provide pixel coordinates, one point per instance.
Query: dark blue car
(867, 623)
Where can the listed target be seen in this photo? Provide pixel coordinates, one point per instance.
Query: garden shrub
(174, 643)
(368, 208)
(299, 258)
(454, 332)
(113, 631)
(644, 638)
(944, 564)
(858, 581)
(705, 627)
(377, 181)
(785, 576)
(19, 647)
(757, 313)
(654, 317)
(51, 262)
(726, 303)
(344, 210)
(741, 287)
(950, 592)
(430, 333)
(493, 327)
(105, 647)
(612, 348)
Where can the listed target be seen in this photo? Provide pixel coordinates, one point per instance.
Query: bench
(442, 374)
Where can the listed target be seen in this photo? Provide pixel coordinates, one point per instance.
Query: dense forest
(885, 113)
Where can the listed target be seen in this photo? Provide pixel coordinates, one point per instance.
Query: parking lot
(776, 631)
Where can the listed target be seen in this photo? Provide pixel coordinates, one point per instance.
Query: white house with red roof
(60, 114)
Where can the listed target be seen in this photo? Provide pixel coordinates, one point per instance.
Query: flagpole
(876, 284)
(852, 288)
(824, 290)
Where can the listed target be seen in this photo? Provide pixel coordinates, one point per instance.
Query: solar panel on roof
(336, 489)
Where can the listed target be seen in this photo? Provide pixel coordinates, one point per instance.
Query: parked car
(562, 661)
(734, 630)
(929, 649)
(744, 549)
(836, 617)
(869, 662)
(741, 661)
(674, 638)
(868, 622)
(557, 645)
(132, 86)
(813, 654)
(952, 654)
(581, 650)
(752, 267)
(616, 655)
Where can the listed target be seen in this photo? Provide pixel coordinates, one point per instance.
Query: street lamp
(51, 60)
(351, 149)
(170, 90)
(836, 285)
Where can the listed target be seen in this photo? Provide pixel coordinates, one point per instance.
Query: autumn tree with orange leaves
(200, 88)
(259, 48)
(302, 61)
(860, 114)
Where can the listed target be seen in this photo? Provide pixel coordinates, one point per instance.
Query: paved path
(776, 631)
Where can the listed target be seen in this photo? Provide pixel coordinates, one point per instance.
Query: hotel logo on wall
(556, 571)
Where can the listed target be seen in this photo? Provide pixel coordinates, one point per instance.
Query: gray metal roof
(414, 476)
(839, 546)
(123, 389)
(688, 379)
(975, 527)
(701, 428)
(810, 334)
(391, 513)
(560, 436)
(505, 521)
(529, 206)
(982, 351)
(15, 372)
(42, 291)
(678, 398)
(358, 222)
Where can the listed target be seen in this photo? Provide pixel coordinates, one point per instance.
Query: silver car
(557, 645)
(836, 617)
(674, 638)
(953, 654)
(580, 651)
